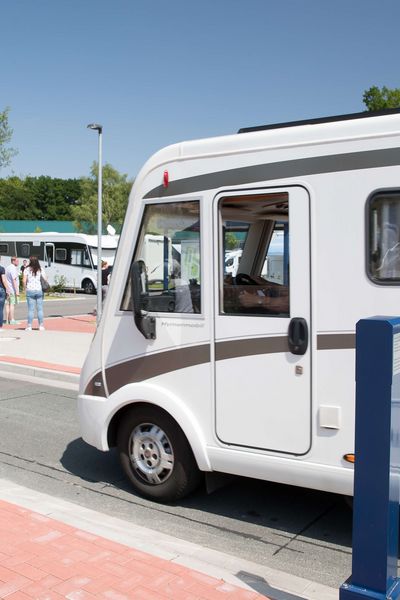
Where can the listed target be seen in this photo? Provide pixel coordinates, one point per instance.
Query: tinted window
(61, 254)
(255, 255)
(383, 254)
(23, 249)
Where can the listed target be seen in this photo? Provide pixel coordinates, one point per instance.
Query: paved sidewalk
(49, 529)
(44, 559)
(54, 354)
(50, 548)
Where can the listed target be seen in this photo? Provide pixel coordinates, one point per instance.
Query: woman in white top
(34, 292)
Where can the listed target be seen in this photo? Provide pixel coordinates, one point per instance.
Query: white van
(69, 258)
(251, 373)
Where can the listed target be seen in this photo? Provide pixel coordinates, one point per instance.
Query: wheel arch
(170, 405)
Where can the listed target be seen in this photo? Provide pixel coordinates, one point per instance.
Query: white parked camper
(67, 257)
(248, 372)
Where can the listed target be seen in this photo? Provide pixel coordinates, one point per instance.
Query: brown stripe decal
(95, 387)
(152, 365)
(250, 347)
(146, 367)
(336, 341)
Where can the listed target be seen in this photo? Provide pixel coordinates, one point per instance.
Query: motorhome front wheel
(156, 456)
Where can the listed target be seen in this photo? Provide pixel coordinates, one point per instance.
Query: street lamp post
(99, 129)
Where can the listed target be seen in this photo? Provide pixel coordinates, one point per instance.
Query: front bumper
(93, 414)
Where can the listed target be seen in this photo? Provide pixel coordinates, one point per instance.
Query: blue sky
(155, 72)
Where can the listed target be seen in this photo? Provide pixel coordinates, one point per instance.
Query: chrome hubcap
(151, 453)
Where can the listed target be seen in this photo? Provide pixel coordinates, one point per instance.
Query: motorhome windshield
(169, 246)
(107, 254)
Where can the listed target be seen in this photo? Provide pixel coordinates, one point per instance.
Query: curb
(38, 373)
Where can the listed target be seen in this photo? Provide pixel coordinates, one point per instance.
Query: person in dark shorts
(105, 278)
(3, 293)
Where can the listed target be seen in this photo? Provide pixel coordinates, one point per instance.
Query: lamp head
(95, 126)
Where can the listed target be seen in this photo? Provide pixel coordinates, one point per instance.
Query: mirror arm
(146, 325)
(143, 321)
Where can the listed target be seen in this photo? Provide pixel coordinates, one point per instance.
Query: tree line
(54, 199)
(49, 198)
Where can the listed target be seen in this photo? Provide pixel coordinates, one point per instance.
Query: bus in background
(70, 258)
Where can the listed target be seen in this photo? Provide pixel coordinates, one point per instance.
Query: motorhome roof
(351, 116)
(107, 241)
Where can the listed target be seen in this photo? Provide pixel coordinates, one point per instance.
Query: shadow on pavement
(258, 584)
(293, 511)
(94, 466)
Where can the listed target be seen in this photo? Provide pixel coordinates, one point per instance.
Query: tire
(88, 286)
(349, 502)
(164, 468)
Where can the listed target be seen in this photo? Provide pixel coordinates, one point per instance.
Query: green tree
(6, 152)
(115, 193)
(16, 201)
(379, 99)
(41, 198)
(231, 241)
(53, 198)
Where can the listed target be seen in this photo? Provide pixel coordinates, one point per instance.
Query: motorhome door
(50, 264)
(49, 256)
(262, 325)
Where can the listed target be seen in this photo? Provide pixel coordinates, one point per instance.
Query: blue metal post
(377, 464)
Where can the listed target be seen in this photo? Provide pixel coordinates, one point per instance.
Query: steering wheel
(244, 279)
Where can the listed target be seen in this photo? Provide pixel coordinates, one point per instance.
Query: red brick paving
(44, 559)
(76, 324)
(40, 364)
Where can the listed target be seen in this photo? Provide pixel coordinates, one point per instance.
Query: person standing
(12, 276)
(34, 292)
(24, 265)
(3, 293)
(105, 278)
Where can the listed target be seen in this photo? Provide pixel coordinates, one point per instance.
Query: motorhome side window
(254, 258)
(61, 254)
(23, 249)
(80, 256)
(384, 238)
(169, 246)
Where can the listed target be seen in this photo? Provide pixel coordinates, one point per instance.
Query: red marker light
(166, 179)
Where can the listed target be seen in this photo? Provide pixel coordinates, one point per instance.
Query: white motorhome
(247, 374)
(67, 257)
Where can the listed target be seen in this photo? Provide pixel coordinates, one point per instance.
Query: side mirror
(145, 323)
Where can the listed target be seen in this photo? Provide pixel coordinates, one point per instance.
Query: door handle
(298, 335)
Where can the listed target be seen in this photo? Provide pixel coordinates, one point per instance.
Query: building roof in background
(37, 226)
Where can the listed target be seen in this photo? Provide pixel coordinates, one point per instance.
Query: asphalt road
(70, 304)
(301, 532)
